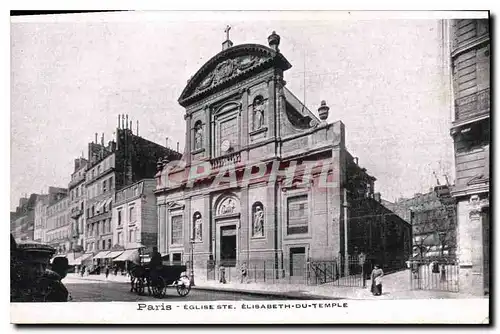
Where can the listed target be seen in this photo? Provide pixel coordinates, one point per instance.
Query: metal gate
(437, 275)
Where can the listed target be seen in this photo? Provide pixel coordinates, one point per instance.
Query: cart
(158, 280)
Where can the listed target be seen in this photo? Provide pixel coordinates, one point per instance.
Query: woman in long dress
(376, 278)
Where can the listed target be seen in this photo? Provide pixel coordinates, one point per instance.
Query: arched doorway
(227, 222)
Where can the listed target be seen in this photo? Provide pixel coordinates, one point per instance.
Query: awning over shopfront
(128, 255)
(101, 255)
(85, 257)
(112, 255)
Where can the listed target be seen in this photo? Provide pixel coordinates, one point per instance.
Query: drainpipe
(346, 254)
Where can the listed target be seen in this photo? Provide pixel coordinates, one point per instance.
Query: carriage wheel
(182, 288)
(159, 287)
(139, 286)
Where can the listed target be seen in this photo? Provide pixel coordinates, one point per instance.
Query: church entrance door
(228, 245)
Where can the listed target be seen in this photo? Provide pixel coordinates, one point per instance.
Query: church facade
(262, 179)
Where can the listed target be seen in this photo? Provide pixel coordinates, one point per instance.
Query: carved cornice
(229, 66)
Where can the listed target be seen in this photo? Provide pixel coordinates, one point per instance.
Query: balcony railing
(472, 105)
(231, 158)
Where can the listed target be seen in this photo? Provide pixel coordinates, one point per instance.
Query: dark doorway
(297, 261)
(228, 246)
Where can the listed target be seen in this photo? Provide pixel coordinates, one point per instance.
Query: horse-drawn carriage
(156, 280)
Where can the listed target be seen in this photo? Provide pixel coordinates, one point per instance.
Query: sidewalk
(396, 286)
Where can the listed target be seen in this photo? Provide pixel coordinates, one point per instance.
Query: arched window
(257, 220)
(198, 135)
(197, 227)
(258, 112)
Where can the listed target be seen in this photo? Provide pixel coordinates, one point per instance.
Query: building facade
(76, 190)
(135, 223)
(58, 231)
(470, 129)
(40, 218)
(126, 160)
(262, 179)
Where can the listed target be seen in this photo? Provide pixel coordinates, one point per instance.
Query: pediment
(229, 65)
(175, 205)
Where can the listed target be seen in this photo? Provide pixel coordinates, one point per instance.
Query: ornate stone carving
(197, 227)
(229, 68)
(258, 113)
(198, 136)
(258, 220)
(476, 205)
(227, 206)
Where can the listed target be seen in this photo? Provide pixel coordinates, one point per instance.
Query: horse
(139, 272)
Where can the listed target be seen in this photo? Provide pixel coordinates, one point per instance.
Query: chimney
(177, 146)
(130, 126)
(118, 121)
(166, 143)
(123, 120)
(126, 121)
(96, 137)
(137, 131)
(377, 197)
(102, 139)
(355, 160)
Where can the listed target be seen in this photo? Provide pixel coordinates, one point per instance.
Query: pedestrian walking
(222, 274)
(243, 272)
(376, 278)
(82, 270)
(107, 272)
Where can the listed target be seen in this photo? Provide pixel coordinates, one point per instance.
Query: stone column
(245, 118)
(245, 226)
(189, 134)
(272, 110)
(162, 225)
(471, 278)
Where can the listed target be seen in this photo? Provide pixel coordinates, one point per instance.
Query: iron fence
(434, 274)
(335, 272)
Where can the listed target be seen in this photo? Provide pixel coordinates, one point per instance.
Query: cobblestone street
(94, 291)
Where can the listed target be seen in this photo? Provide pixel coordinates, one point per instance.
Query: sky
(72, 75)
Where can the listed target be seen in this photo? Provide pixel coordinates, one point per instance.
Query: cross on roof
(227, 31)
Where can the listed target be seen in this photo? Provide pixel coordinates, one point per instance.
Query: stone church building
(262, 179)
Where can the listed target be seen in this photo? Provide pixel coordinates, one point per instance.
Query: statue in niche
(198, 136)
(258, 221)
(198, 228)
(258, 113)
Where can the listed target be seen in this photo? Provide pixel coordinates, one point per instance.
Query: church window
(297, 215)
(176, 230)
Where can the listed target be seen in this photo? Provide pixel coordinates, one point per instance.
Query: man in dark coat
(155, 263)
(54, 290)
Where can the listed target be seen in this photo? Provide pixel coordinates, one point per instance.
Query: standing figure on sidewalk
(244, 272)
(376, 278)
(222, 274)
(107, 271)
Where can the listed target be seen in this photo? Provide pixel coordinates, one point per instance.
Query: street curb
(266, 293)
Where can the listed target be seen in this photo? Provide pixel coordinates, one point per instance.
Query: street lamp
(191, 273)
